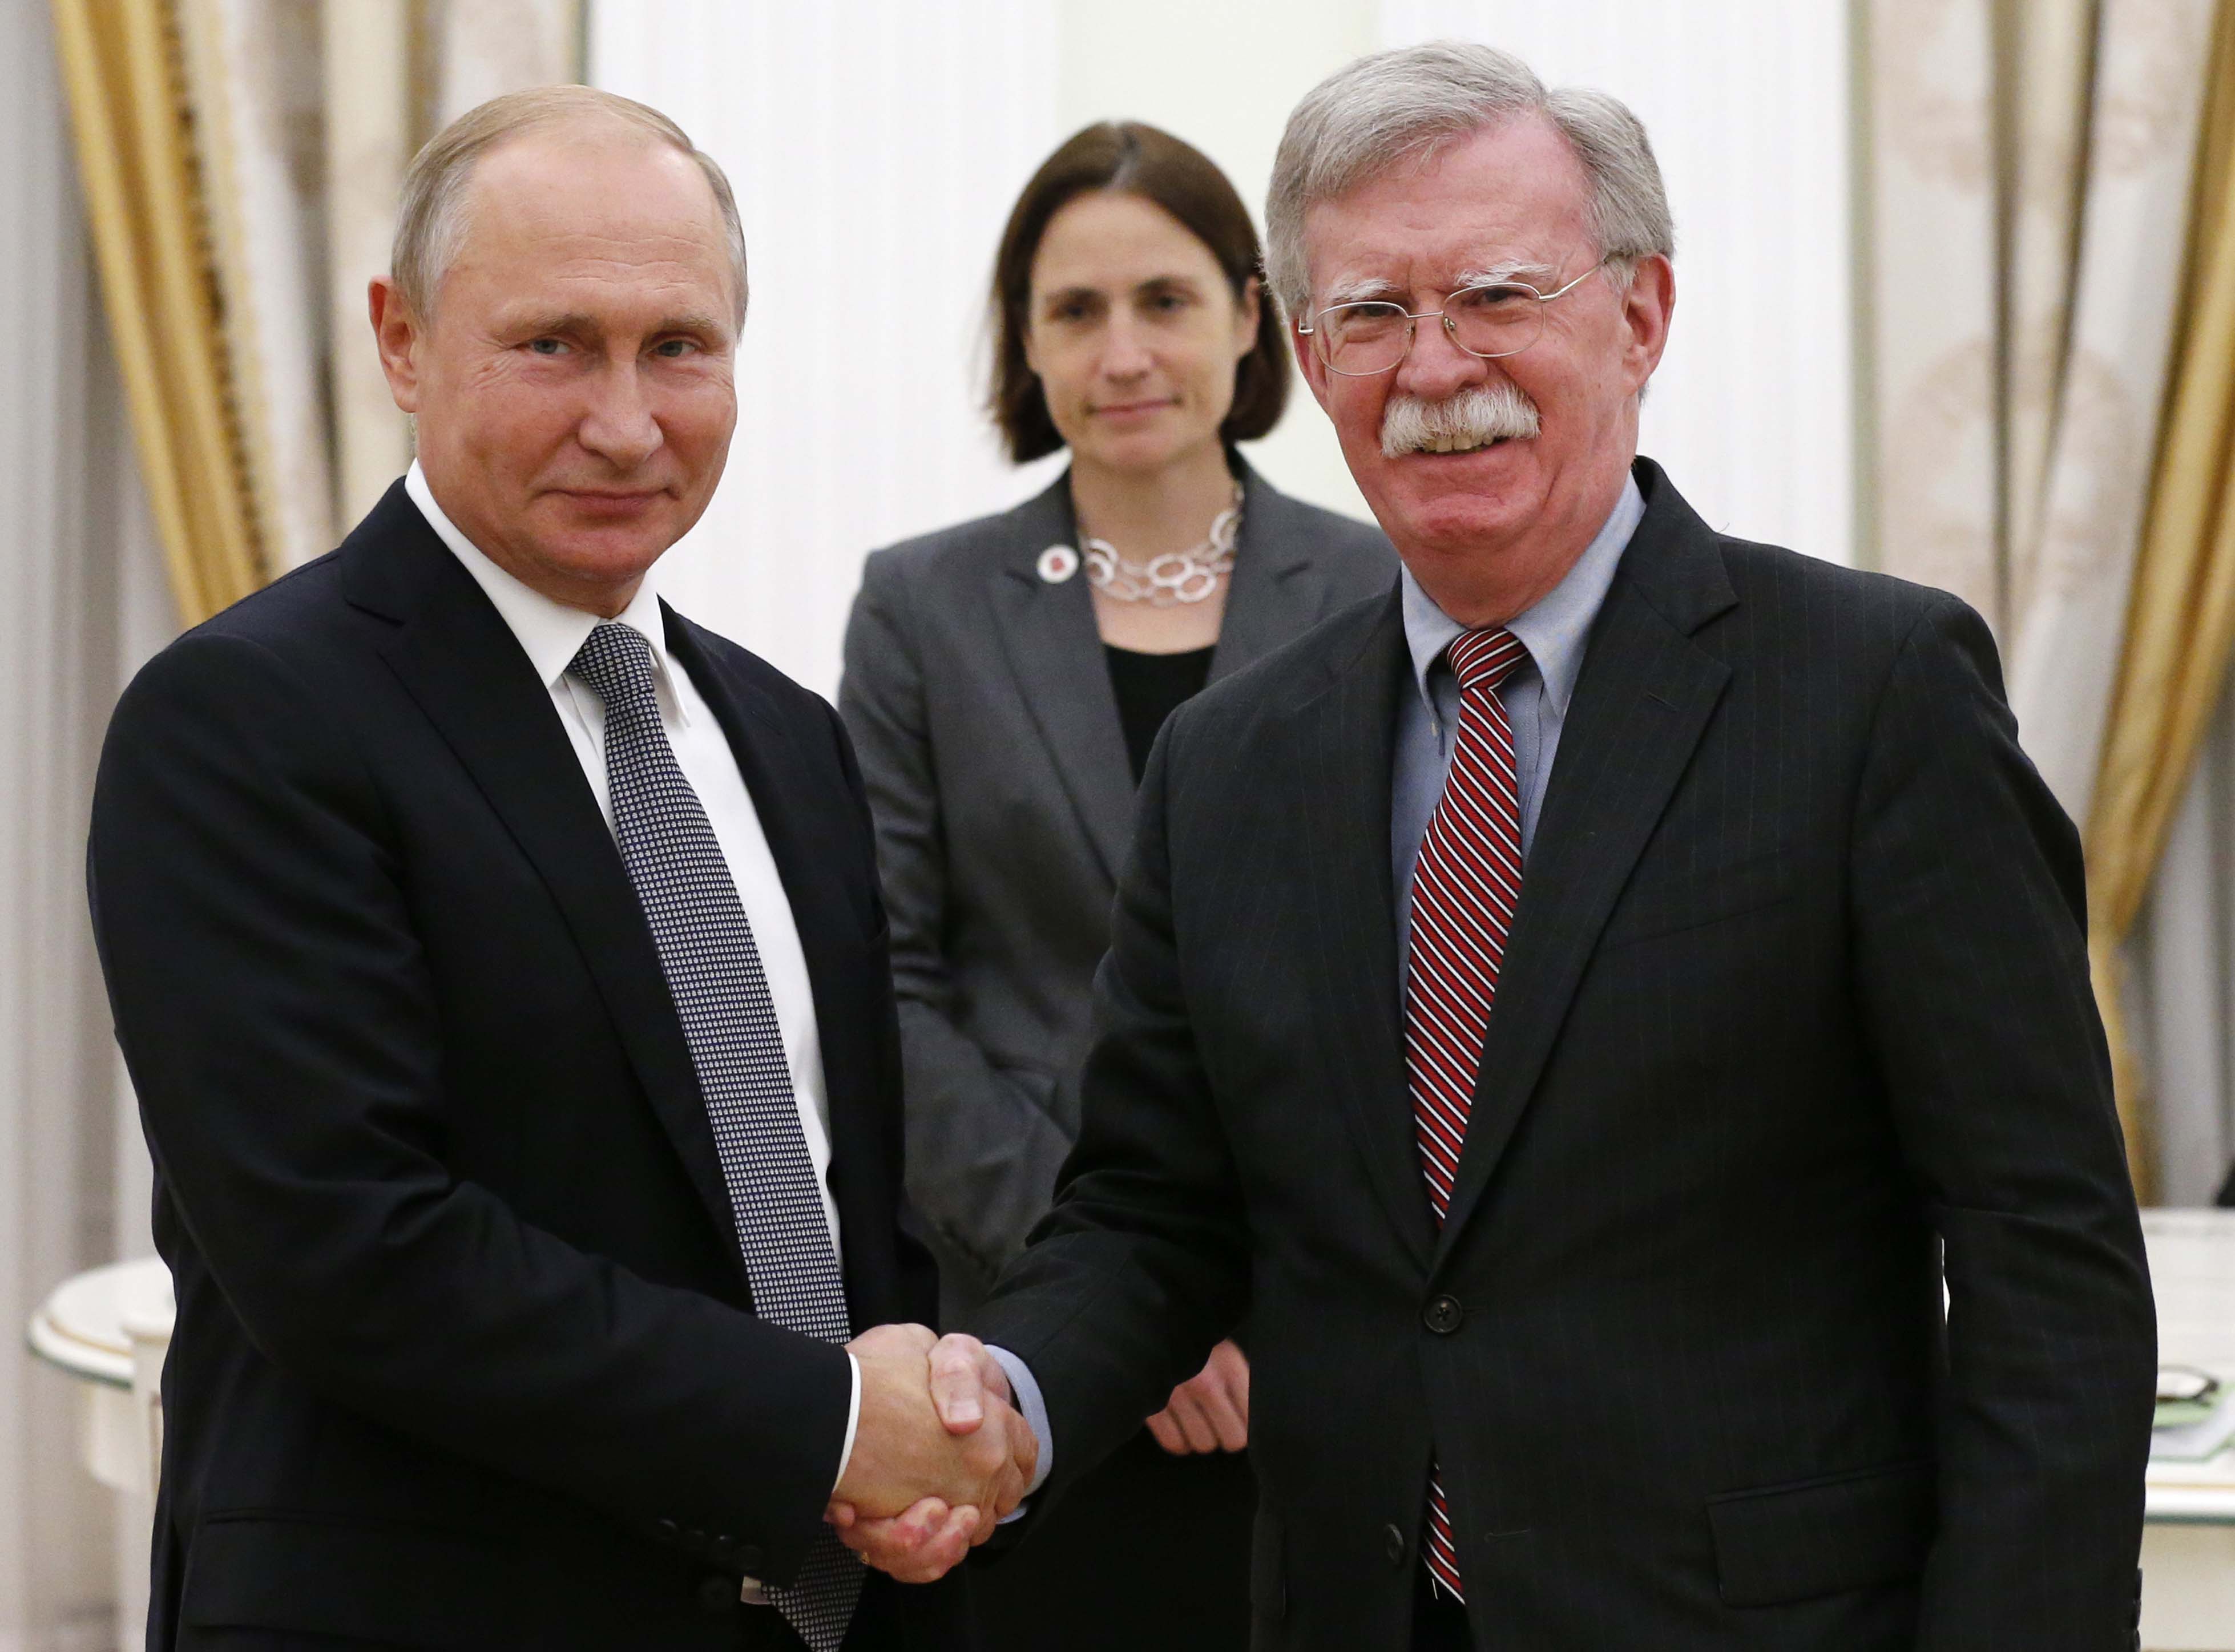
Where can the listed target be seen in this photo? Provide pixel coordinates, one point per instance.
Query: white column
(1746, 103)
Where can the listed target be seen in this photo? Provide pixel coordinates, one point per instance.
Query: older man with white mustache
(1565, 1018)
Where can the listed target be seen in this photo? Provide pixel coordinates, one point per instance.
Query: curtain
(2031, 166)
(395, 72)
(141, 179)
(252, 68)
(371, 124)
(2182, 615)
(2177, 991)
(79, 563)
(241, 160)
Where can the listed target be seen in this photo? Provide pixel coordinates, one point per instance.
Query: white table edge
(89, 1362)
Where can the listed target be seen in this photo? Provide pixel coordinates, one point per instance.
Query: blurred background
(1956, 300)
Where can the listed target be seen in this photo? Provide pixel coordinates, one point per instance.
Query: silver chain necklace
(1175, 577)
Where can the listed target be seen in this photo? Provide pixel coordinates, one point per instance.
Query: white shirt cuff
(852, 1419)
(1026, 1390)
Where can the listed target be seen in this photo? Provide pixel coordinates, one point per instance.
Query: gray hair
(1408, 103)
(429, 224)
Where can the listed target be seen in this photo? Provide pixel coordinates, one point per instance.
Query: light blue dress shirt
(1535, 698)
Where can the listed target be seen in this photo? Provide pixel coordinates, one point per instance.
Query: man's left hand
(1210, 1411)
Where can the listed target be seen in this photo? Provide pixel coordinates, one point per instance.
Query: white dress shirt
(551, 634)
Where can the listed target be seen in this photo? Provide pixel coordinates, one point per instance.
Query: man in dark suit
(500, 964)
(1581, 1145)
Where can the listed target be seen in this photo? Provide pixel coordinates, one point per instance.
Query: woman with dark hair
(1004, 682)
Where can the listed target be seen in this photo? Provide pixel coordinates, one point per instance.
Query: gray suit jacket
(980, 703)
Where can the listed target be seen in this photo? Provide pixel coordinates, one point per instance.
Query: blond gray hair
(1411, 102)
(430, 220)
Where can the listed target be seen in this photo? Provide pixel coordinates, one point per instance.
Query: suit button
(717, 1594)
(665, 1530)
(749, 1558)
(1443, 1315)
(722, 1544)
(1392, 1545)
(694, 1541)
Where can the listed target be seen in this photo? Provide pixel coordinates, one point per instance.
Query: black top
(1149, 688)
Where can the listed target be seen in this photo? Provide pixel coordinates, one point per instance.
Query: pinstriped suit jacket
(1796, 1001)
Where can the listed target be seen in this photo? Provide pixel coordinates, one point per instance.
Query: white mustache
(1472, 418)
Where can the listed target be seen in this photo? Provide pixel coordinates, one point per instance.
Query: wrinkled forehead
(1508, 202)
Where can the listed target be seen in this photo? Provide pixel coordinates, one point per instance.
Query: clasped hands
(939, 1453)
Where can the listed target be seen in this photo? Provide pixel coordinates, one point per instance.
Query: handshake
(939, 1455)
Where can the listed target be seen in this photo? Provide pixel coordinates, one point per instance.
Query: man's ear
(1646, 310)
(1309, 364)
(396, 330)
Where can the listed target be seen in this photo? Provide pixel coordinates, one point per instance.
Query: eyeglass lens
(1489, 321)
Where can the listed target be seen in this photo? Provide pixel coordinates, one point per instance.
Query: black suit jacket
(466, 1355)
(1795, 1005)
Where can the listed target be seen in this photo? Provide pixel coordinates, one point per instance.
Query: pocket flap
(1820, 1536)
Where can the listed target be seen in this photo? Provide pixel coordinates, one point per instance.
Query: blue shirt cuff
(1026, 1392)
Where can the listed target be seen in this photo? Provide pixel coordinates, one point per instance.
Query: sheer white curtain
(875, 150)
(2029, 193)
(1747, 104)
(86, 598)
(1228, 93)
(2180, 987)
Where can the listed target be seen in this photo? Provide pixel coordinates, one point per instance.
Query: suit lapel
(461, 662)
(1274, 597)
(1643, 701)
(1055, 652)
(1343, 741)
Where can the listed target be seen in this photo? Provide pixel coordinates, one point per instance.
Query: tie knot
(1485, 658)
(616, 662)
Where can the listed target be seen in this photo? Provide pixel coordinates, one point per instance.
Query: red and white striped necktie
(1465, 887)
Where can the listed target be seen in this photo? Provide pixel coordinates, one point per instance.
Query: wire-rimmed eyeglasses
(1489, 319)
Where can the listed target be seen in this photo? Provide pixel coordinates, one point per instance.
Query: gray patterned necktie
(721, 993)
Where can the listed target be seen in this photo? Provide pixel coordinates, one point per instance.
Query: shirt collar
(550, 633)
(1554, 630)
